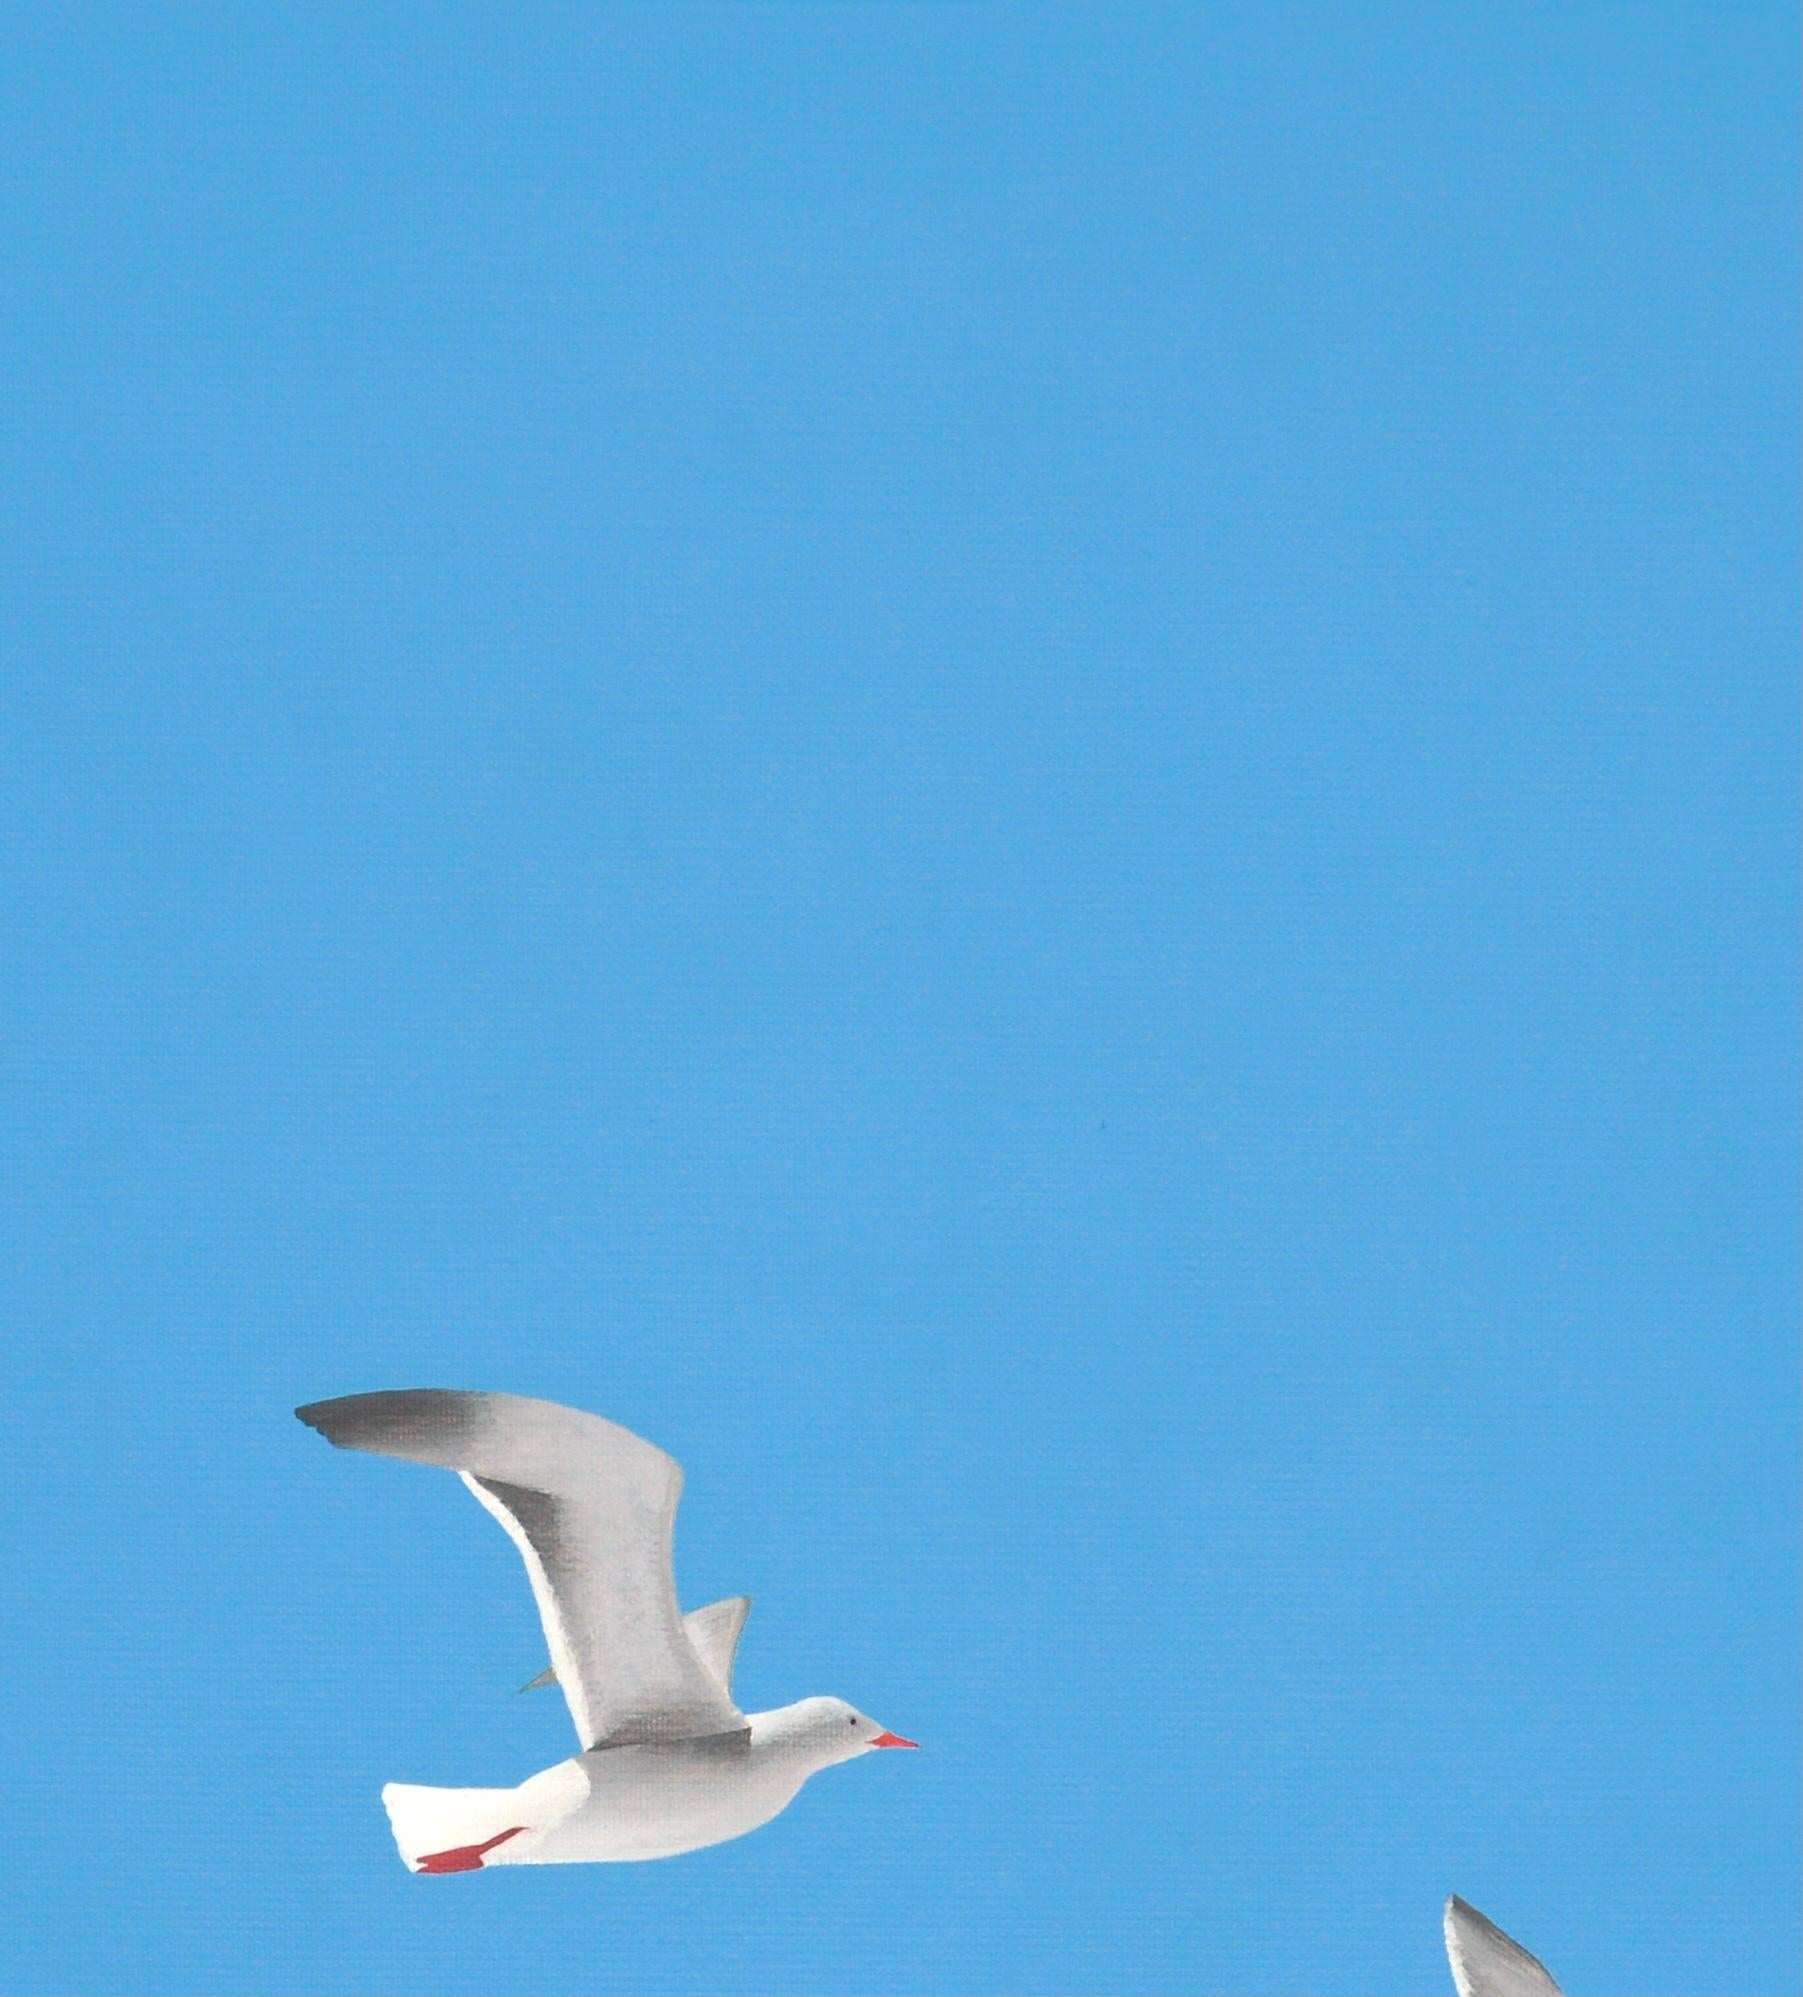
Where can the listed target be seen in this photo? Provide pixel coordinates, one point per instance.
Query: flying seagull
(1486, 1963)
(667, 1762)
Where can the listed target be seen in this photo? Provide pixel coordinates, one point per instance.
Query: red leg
(465, 1857)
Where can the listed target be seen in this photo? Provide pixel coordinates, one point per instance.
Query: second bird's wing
(1486, 1962)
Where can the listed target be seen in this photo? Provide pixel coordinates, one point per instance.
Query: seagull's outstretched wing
(592, 1509)
(1486, 1963)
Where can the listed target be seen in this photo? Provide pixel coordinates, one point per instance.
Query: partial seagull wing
(1486, 1963)
(714, 1631)
(592, 1509)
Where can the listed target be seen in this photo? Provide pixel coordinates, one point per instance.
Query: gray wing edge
(1488, 1963)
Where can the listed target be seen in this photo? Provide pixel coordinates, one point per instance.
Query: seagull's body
(650, 1801)
(668, 1763)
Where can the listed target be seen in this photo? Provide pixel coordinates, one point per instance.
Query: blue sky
(1029, 774)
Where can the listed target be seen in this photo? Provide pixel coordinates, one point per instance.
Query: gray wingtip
(396, 1420)
(318, 1416)
(340, 1416)
(350, 1419)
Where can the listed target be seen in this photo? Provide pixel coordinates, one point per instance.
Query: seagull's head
(828, 1730)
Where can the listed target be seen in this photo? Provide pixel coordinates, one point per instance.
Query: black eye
(852, 1722)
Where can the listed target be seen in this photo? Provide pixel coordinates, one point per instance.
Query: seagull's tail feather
(462, 1830)
(428, 1823)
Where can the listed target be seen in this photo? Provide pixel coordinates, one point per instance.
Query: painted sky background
(1030, 774)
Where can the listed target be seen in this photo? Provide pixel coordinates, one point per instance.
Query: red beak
(893, 1740)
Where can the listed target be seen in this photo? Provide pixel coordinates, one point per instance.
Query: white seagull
(1486, 1963)
(668, 1763)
